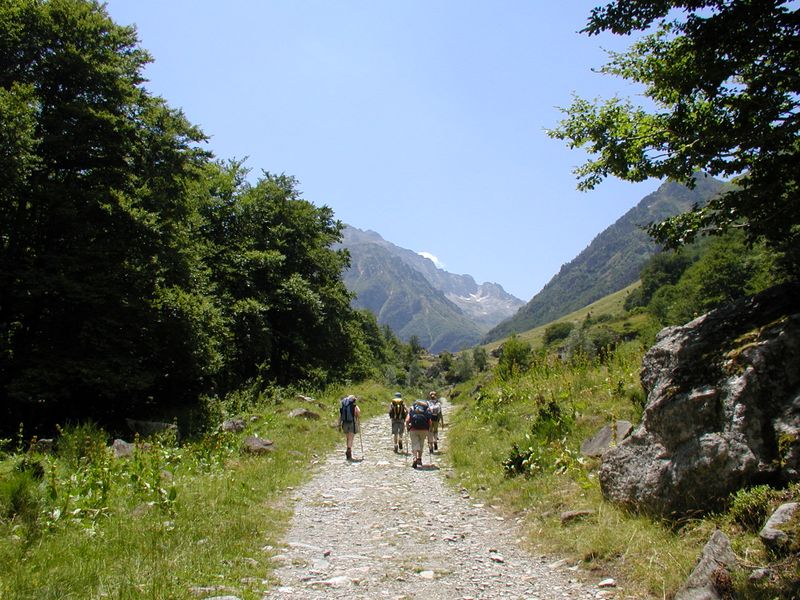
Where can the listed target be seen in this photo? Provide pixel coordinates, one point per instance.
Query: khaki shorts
(397, 426)
(418, 437)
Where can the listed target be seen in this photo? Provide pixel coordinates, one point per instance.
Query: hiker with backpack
(418, 423)
(437, 418)
(349, 413)
(397, 414)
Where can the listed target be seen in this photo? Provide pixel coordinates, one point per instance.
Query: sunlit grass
(645, 556)
(171, 519)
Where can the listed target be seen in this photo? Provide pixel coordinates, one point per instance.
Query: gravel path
(376, 528)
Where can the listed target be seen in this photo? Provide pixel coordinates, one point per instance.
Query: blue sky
(423, 120)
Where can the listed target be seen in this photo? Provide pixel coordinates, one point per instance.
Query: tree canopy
(723, 81)
(136, 271)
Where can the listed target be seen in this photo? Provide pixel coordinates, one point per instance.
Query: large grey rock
(722, 412)
(605, 438)
(710, 579)
(773, 534)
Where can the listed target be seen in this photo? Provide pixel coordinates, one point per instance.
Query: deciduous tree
(723, 78)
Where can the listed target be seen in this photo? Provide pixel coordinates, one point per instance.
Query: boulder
(257, 445)
(773, 534)
(122, 449)
(303, 413)
(722, 411)
(603, 440)
(233, 425)
(711, 579)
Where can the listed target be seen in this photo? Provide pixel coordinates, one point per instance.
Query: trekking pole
(361, 438)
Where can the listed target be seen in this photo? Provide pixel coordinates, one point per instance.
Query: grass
(171, 518)
(529, 432)
(611, 305)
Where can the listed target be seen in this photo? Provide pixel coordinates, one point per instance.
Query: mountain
(407, 292)
(610, 262)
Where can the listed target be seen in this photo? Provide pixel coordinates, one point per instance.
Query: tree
(480, 358)
(515, 358)
(722, 76)
(102, 289)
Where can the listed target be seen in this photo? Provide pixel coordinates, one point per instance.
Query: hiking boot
(400, 444)
(348, 455)
(414, 464)
(435, 445)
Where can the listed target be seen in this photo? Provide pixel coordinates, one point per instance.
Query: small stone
(760, 575)
(607, 583)
(427, 574)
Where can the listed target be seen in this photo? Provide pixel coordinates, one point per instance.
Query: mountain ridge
(611, 261)
(408, 292)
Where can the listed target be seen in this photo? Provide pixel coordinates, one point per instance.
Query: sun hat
(397, 395)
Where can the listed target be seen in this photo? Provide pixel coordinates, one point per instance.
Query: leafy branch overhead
(723, 81)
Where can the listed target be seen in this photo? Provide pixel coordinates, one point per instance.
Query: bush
(558, 331)
(751, 507)
(19, 496)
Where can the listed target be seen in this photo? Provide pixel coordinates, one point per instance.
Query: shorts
(351, 427)
(397, 426)
(418, 437)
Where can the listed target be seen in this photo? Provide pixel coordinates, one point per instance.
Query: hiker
(397, 414)
(349, 412)
(418, 423)
(437, 418)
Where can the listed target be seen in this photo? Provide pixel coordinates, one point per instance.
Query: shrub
(19, 496)
(558, 331)
(751, 507)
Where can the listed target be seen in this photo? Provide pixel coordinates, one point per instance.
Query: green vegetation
(139, 274)
(80, 523)
(721, 78)
(529, 428)
(612, 261)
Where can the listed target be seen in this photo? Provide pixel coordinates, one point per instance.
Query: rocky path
(376, 528)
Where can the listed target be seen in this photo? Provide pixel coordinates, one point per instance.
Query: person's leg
(349, 451)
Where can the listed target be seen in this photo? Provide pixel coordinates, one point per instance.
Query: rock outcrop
(711, 579)
(722, 412)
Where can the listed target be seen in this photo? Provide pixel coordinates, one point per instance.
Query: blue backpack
(347, 412)
(420, 416)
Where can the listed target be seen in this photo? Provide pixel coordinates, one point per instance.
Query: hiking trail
(377, 528)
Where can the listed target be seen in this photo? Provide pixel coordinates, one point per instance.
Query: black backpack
(397, 410)
(420, 417)
(347, 412)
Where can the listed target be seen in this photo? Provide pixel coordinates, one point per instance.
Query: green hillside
(609, 310)
(612, 260)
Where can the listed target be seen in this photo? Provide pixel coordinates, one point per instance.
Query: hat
(432, 395)
(397, 395)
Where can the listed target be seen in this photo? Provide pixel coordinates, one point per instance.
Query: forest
(138, 272)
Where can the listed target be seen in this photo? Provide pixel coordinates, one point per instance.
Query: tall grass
(517, 444)
(534, 426)
(169, 519)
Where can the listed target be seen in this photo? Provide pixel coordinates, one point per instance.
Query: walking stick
(361, 438)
